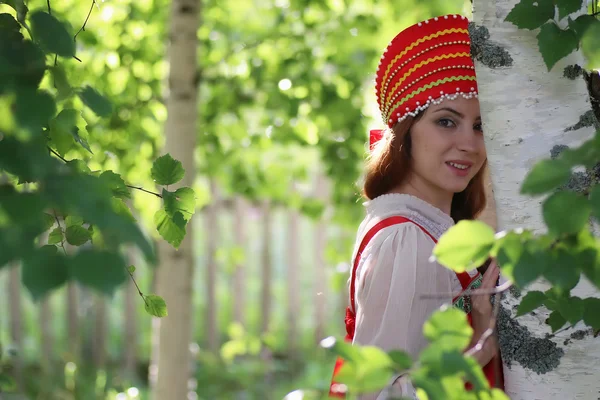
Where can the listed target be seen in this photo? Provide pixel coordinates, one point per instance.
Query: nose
(469, 140)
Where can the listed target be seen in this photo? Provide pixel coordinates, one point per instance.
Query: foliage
(51, 201)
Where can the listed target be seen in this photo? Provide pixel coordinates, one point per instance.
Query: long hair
(389, 165)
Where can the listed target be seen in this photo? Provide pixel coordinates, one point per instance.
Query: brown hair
(389, 165)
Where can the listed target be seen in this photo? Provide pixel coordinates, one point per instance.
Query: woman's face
(447, 146)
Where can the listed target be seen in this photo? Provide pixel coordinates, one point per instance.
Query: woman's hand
(481, 304)
(481, 313)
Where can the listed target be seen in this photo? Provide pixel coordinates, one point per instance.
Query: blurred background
(285, 104)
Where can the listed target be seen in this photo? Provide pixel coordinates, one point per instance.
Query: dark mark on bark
(490, 54)
(517, 344)
(572, 71)
(586, 120)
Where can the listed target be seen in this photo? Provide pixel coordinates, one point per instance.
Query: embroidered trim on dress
(464, 302)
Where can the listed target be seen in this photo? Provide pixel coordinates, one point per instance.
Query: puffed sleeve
(392, 275)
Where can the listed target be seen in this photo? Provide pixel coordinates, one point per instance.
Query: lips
(459, 167)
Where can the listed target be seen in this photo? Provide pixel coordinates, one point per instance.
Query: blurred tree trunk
(239, 276)
(293, 281)
(73, 321)
(131, 328)
(320, 273)
(212, 227)
(266, 268)
(100, 331)
(526, 110)
(16, 322)
(175, 272)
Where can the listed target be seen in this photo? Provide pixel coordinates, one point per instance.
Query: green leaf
(545, 176)
(116, 184)
(77, 235)
(97, 269)
(171, 228)
(555, 43)
(49, 221)
(589, 45)
(450, 328)
(465, 246)
(581, 24)
(73, 220)
(182, 200)
(566, 7)
(531, 265)
(342, 349)
(556, 321)
(566, 212)
(531, 14)
(52, 34)
(63, 129)
(571, 309)
(131, 269)
(34, 109)
(510, 248)
(562, 270)
(43, 271)
(155, 305)
(591, 316)
(95, 101)
(56, 236)
(61, 83)
(166, 170)
(121, 208)
(401, 359)
(530, 302)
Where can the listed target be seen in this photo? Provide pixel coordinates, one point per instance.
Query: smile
(459, 168)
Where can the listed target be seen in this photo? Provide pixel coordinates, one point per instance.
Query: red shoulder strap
(367, 238)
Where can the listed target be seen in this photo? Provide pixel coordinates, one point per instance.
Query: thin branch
(56, 154)
(49, 8)
(144, 190)
(497, 290)
(85, 22)
(62, 242)
(129, 186)
(137, 287)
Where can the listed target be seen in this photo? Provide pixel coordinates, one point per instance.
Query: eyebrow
(453, 111)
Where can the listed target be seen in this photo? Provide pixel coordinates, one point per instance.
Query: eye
(446, 123)
(478, 127)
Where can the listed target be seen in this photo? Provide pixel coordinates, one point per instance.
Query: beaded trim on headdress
(424, 64)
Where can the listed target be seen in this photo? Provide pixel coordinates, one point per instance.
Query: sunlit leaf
(166, 170)
(155, 305)
(77, 235)
(465, 246)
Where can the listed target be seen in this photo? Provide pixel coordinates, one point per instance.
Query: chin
(456, 187)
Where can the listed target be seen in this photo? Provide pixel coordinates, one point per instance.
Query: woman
(424, 174)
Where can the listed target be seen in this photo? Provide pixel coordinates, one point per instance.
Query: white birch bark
(175, 272)
(525, 110)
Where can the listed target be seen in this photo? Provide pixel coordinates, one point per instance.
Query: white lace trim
(429, 217)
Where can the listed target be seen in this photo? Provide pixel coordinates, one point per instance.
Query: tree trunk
(100, 331)
(525, 110)
(16, 322)
(73, 321)
(212, 226)
(266, 269)
(293, 282)
(320, 275)
(131, 326)
(239, 275)
(175, 272)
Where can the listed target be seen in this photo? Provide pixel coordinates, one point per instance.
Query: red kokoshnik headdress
(424, 64)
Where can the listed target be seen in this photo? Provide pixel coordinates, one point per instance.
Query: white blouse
(392, 274)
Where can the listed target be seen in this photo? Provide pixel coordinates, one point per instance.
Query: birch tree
(171, 369)
(528, 112)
